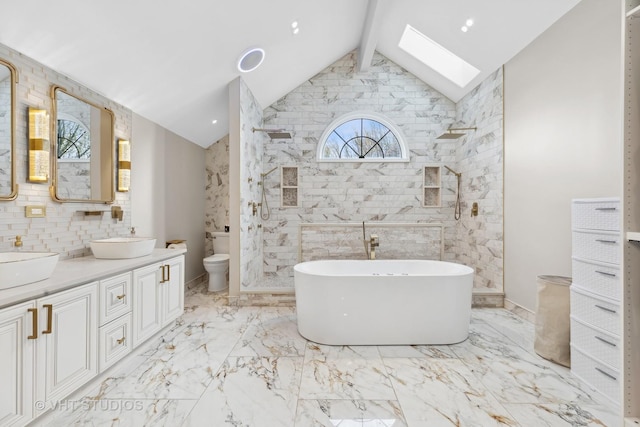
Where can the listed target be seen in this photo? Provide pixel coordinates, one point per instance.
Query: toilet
(217, 265)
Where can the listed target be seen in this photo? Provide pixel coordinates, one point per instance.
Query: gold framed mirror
(8, 81)
(83, 150)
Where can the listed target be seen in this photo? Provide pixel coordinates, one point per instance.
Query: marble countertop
(78, 271)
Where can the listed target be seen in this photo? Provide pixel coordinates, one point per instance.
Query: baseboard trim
(519, 310)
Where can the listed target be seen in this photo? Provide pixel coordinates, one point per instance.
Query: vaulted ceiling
(171, 61)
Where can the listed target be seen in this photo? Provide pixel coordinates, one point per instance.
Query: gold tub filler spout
(373, 244)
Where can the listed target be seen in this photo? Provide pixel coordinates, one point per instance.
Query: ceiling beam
(369, 35)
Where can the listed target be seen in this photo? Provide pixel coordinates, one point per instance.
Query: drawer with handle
(599, 376)
(596, 343)
(597, 246)
(597, 277)
(596, 214)
(602, 313)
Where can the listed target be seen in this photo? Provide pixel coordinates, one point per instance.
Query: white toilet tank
(220, 242)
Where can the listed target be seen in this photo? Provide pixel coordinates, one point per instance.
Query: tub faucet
(373, 244)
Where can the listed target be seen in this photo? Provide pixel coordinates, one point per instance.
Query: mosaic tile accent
(65, 230)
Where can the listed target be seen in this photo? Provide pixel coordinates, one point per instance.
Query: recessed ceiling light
(437, 57)
(469, 22)
(214, 121)
(294, 25)
(295, 31)
(464, 29)
(250, 59)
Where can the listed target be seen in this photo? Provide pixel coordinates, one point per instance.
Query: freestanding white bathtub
(383, 302)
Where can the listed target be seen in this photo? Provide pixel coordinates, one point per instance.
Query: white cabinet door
(67, 345)
(147, 303)
(173, 289)
(18, 331)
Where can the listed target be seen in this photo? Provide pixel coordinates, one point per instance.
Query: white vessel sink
(22, 268)
(122, 247)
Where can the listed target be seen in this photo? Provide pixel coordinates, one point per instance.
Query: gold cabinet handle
(34, 330)
(49, 308)
(168, 273)
(120, 296)
(163, 278)
(120, 341)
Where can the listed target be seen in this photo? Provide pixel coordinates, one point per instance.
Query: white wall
(563, 118)
(167, 189)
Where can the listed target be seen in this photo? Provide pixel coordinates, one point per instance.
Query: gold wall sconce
(39, 146)
(124, 165)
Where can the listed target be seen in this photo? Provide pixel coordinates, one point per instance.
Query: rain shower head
(274, 133)
(455, 133)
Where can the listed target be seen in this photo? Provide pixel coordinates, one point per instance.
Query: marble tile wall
(479, 157)
(340, 241)
(355, 192)
(65, 229)
(216, 190)
(251, 159)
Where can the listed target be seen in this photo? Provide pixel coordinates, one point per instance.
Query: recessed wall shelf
(431, 187)
(633, 236)
(289, 186)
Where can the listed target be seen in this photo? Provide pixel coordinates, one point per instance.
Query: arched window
(362, 137)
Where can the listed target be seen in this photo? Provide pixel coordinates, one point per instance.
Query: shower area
(462, 141)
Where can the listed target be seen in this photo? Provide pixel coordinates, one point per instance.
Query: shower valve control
(474, 209)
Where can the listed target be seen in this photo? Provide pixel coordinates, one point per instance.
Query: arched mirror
(83, 150)
(8, 79)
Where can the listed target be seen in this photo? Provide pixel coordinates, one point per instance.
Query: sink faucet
(373, 244)
(17, 242)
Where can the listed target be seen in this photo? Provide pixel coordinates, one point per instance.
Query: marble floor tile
(250, 391)
(182, 366)
(513, 374)
(124, 413)
(272, 337)
(344, 372)
(349, 413)
(247, 366)
(444, 392)
(564, 414)
(430, 351)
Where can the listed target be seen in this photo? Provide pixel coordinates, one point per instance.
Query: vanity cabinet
(53, 345)
(67, 347)
(17, 363)
(47, 350)
(158, 297)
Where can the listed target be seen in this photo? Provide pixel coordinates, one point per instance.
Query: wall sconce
(39, 146)
(124, 165)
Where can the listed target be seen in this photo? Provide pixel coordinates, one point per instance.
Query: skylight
(437, 57)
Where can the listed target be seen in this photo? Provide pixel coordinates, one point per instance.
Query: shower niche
(289, 186)
(431, 187)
